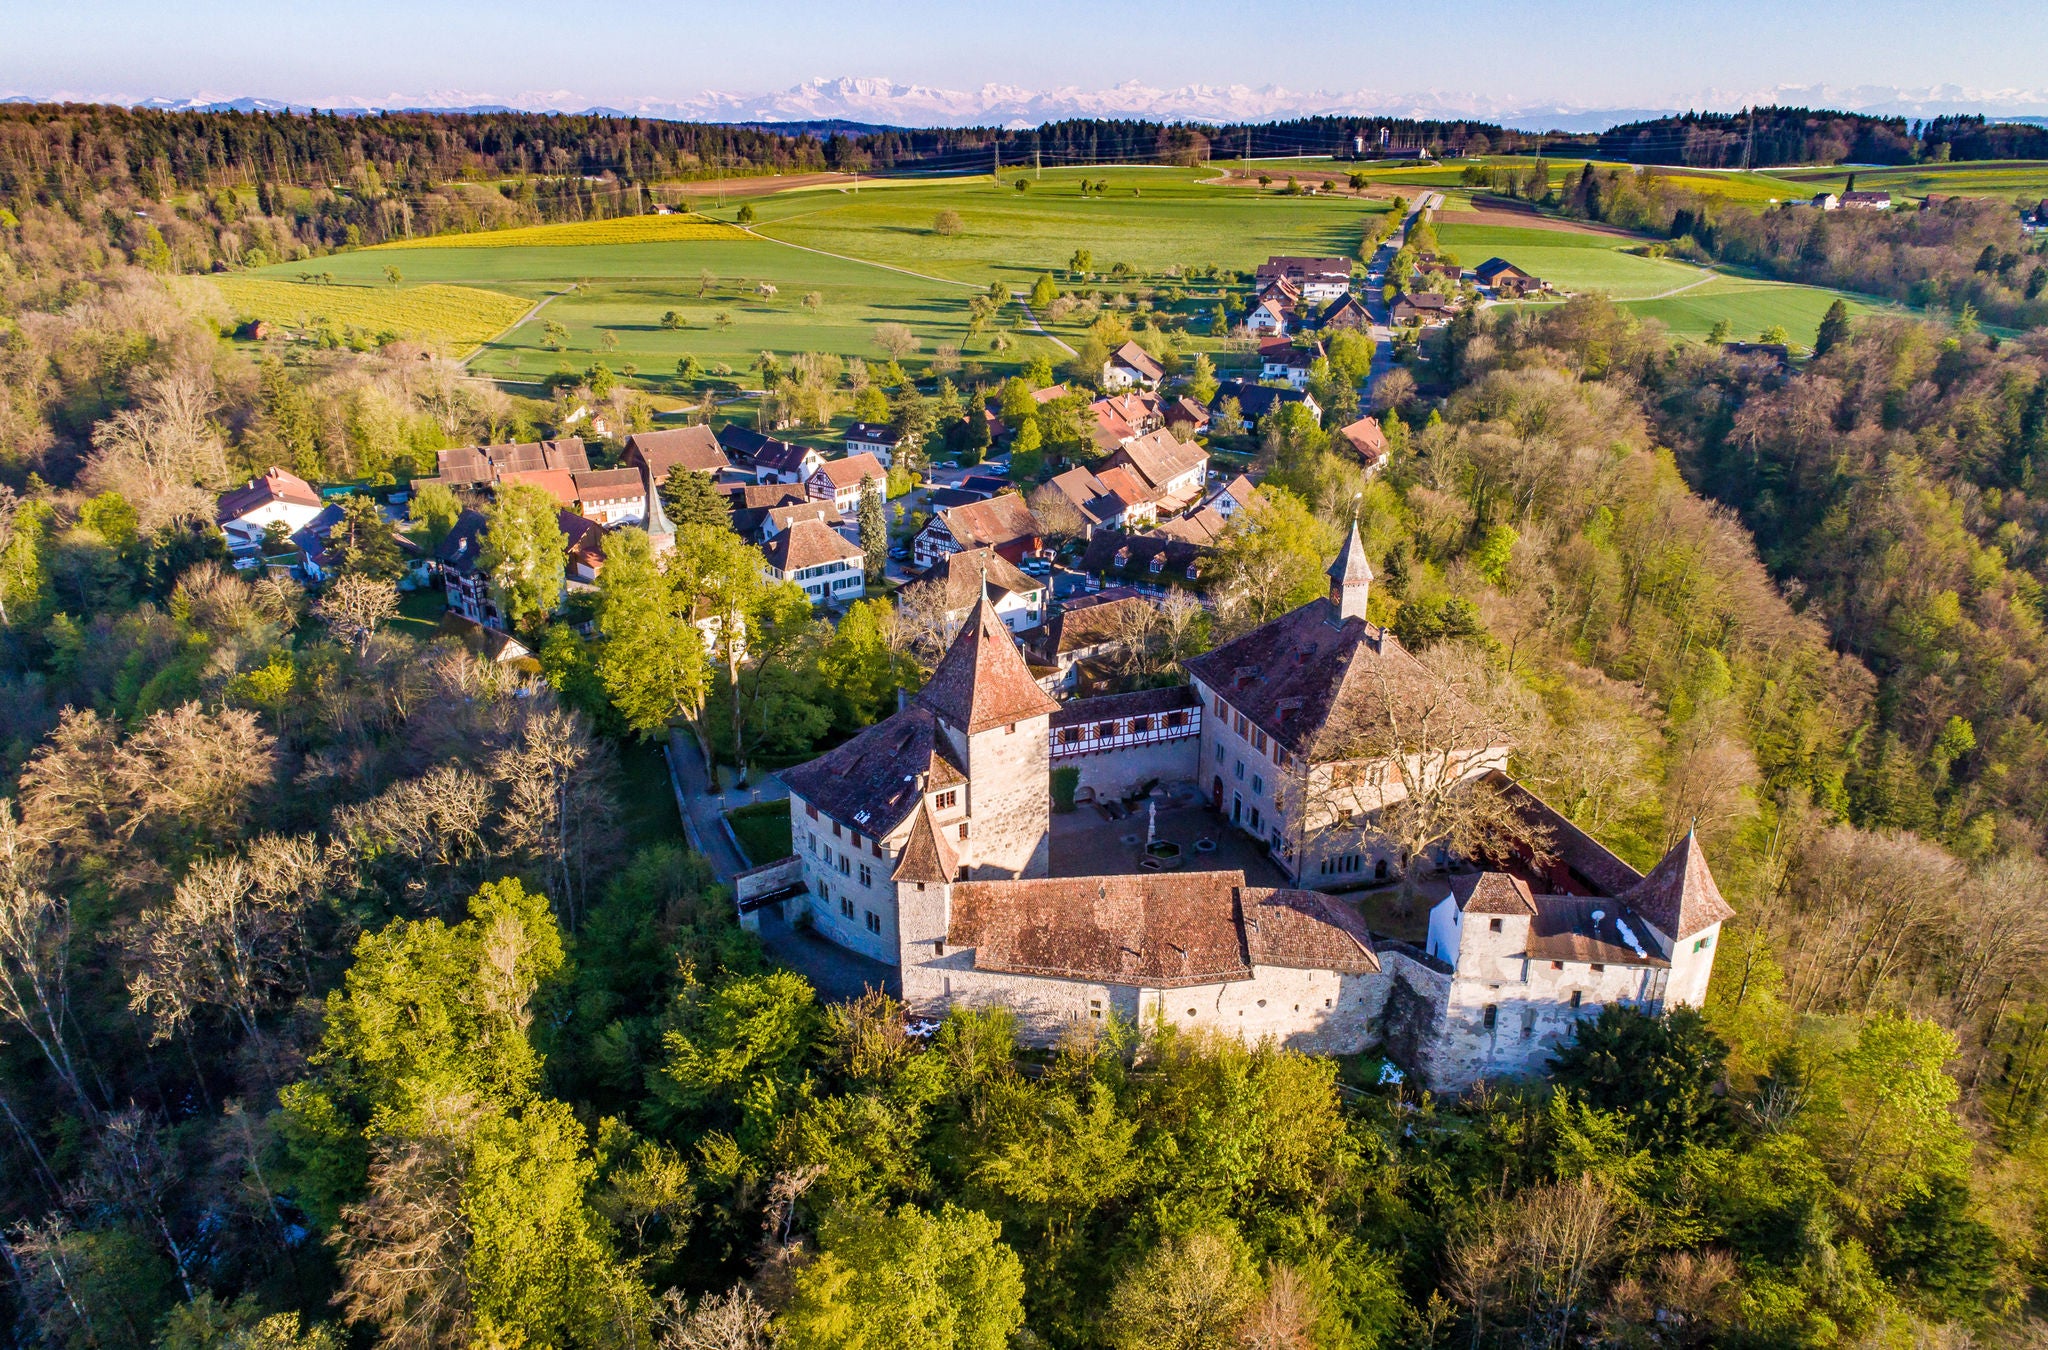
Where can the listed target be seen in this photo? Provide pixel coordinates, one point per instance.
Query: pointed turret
(1350, 580)
(983, 682)
(926, 857)
(1679, 895)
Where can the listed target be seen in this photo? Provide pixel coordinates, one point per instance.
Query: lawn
(581, 233)
(464, 316)
(1982, 178)
(763, 831)
(419, 613)
(647, 808)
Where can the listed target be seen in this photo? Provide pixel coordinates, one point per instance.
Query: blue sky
(1587, 53)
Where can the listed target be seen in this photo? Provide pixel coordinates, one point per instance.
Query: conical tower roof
(1679, 895)
(983, 681)
(1351, 566)
(926, 855)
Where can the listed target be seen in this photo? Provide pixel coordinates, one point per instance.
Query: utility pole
(1037, 163)
(997, 172)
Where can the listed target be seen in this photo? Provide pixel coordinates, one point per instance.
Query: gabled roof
(581, 535)
(1049, 393)
(1159, 457)
(1365, 437)
(997, 521)
(963, 574)
(1344, 304)
(1254, 401)
(982, 681)
(873, 433)
(1205, 527)
(1679, 894)
(1239, 490)
(693, 448)
(1492, 893)
(1134, 357)
(808, 543)
(459, 548)
(871, 781)
(1305, 930)
(557, 483)
(853, 470)
(276, 485)
(1088, 621)
(1422, 300)
(1138, 551)
(926, 856)
(823, 511)
(1496, 267)
(1565, 929)
(1160, 932)
(608, 485)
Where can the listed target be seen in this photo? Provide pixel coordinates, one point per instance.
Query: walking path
(515, 325)
(703, 810)
(865, 262)
(1036, 327)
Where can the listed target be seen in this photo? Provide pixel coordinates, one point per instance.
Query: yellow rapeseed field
(462, 316)
(624, 230)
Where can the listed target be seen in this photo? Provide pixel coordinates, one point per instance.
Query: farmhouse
(839, 480)
(1113, 499)
(1254, 401)
(1152, 563)
(1505, 279)
(611, 496)
(1319, 280)
(766, 459)
(780, 518)
(1866, 201)
(1184, 414)
(750, 504)
(692, 448)
(476, 468)
(1346, 312)
(1003, 523)
(818, 558)
(1365, 439)
(1269, 314)
(1420, 307)
(927, 843)
(1121, 418)
(277, 498)
(1231, 498)
(1131, 365)
(1280, 359)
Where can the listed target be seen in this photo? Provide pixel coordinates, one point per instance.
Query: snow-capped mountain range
(883, 102)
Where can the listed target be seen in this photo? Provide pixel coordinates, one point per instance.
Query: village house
(750, 504)
(1231, 498)
(1346, 313)
(473, 469)
(839, 481)
(693, 448)
(1121, 418)
(1866, 201)
(766, 459)
(1506, 280)
(1151, 563)
(1131, 365)
(1420, 307)
(277, 498)
(584, 551)
(1113, 499)
(780, 518)
(1204, 527)
(611, 496)
(1085, 629)
(925, 843)
(1174, 472)
(873, 438)
(1271, 313)
(1185, 416)
(1365, 439)
(1280, 359)
(1318, 280)
(1255, 401)
(1826, 201)
(1019, 599)
(829, 566)
(1003, 523)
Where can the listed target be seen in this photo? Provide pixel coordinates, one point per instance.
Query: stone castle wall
(1121, 772)
(1009, 803)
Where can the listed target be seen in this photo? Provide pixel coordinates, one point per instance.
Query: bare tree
(734, 1320)
(558, 805)
(131, 1172)
(1537, 1259)
(1866, 898)
(1405, 758)
(404, 1248)
(1711, 781)
(165, 455)
(354, 605)
(35, 957)
(1285, 1318)
(230, 938)
(923, 626)
(422, 838)
(895, 340)
(1056, 512)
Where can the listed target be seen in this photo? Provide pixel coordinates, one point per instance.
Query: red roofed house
(839, 480)
(277, 498)
(1130, 365)
(693, 448)
(1003, 523)
(1174, 470)
(1366, 440)
(818, 558)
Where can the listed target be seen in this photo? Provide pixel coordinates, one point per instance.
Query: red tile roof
(982, 681)
(1679, 895)
(926, 856)
(693, 448)
(1159, 457)
(807, 543)
(872, 781)
(1001, 519)
(853, 470)
(557, 483)
(1136, 358)
(276, 485)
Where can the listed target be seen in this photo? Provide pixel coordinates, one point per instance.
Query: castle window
(1597, 967)
(938, 947)
(1104, 730)
(946, 800)
(963, 829)
(1576, 997)
(811, 811)
(1492, 1016)
(1240, 724)
(867, 876)
(845, 866)
(1259, 740)
(1557, 965)
(1255, 820)
(1493, 925)
(963, 871)
(1258, 785)
(1703, 944)
(1219, 752)
(1191, 1012)
(1010, 729)
(845, 907)
(1379, 869)
(836, 832)
(874, 922)
(1528, 1023)
(1239, 771)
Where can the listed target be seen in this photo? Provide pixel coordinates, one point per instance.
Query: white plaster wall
(819, 854)
(1692, 968)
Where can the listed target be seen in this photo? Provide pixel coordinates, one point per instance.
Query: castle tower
(924, 876)
(1680, 900)
(1350, 580)
(997, 720)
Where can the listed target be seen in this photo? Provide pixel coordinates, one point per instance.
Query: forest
(347, 998)
(1759, 138)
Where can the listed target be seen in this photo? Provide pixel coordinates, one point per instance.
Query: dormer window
(1123, 556)
(1158, 563)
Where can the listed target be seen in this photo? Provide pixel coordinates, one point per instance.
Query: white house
(872, 438)
(818, 558)
(1232, 497)
(839, 480)
(1280, 359)
(965, 577)
(1130, 365)
(1176, 471)
(277, 498)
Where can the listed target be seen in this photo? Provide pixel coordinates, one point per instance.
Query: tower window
(947, 800)
(963, 829)
(1492, 1016)
(1493, 925)
(1577, 995)
(874, 922)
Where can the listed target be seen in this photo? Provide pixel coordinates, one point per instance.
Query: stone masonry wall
(1115, 773)
(1009, 803)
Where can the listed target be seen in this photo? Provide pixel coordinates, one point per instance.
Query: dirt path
(864, 262)
(516, 324)
(1038, 328)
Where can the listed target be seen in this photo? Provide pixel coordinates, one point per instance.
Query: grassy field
(647, 801)
(763, 831)
(1687, 299)
(581, 234)
(464, 316)
(1985, 178)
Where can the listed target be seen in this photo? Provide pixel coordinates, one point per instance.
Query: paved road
(1376, 277)
(703, 811)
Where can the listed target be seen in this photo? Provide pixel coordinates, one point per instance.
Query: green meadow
(1983, 178)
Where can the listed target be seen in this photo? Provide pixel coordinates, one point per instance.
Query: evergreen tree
(874, 531)
(691, 497)
(1834, 327)
(364, 542)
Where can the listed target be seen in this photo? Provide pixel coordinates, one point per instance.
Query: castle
(925, 843)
